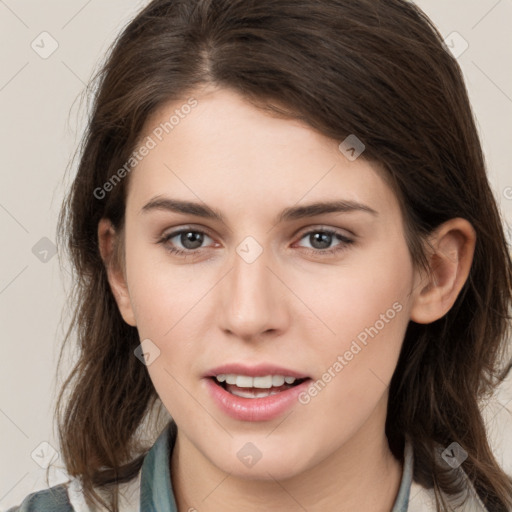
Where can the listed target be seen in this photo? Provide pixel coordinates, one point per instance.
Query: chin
(250, 463)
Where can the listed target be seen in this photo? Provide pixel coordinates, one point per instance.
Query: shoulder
(423, 500)
(68, 497)
(54, 499)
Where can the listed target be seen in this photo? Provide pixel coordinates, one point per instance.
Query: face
(316, 294)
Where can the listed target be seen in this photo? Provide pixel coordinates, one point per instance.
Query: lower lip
(255, 409)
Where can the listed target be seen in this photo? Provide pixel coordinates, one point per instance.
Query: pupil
(323, 238)
(191, 237)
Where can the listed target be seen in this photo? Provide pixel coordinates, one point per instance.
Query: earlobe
(107, 240)
(450, 258)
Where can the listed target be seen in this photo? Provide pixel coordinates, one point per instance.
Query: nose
(253, 300)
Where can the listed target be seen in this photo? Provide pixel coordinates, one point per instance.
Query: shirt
(151, 490)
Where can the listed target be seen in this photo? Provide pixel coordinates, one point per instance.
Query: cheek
(161, 292)
(166, 300)
(353, 297)
(365, 307)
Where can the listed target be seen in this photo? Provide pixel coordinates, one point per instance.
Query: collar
(156, 493)
(402, 499)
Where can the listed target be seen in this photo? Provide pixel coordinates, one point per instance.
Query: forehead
(225, 150)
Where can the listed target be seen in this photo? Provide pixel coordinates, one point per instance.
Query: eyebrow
(288, 214)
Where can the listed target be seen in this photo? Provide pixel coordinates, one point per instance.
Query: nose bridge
(250, 304)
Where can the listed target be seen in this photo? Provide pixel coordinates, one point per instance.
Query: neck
(361, 475)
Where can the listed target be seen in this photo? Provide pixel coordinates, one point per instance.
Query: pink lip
(259, 370)
(254, 409)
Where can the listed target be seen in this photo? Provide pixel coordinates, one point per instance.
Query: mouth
(261, 392)
(245, 386)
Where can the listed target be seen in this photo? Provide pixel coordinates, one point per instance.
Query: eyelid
(323, 227)
(176, 230)
(301, 232)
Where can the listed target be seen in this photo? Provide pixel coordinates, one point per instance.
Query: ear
(108, 240)
(450, 257)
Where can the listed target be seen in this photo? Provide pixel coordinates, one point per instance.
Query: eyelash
(345, 242)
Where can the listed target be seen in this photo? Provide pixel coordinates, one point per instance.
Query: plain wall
(40, 129)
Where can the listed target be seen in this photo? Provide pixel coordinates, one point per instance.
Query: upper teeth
(244, 381)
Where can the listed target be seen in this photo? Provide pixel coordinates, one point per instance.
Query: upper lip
(259, 370)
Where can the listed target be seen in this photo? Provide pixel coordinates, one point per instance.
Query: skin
(291, 306)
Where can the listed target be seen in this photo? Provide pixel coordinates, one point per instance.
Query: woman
(344, 374)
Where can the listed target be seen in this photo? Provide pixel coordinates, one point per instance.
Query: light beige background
(40, 126)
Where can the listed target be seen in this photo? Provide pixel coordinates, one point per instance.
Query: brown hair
(375, 69)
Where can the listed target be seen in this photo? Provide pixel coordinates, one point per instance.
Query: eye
(190, 239)
(321, 240)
